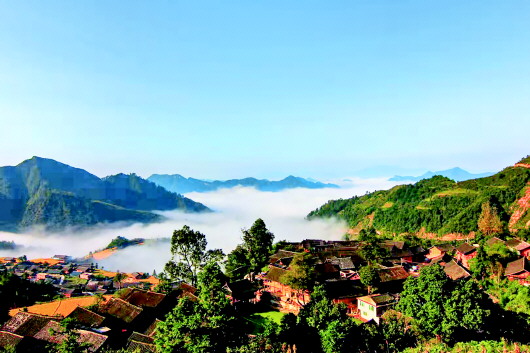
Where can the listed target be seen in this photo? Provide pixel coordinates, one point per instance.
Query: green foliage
(253, 254)
(436, 205)
(18, 292)
(398, 331)
(70, 343)
(189, 255)
(122, 242)
(208, 325)
(339, 336)
(258, 242)
(320, 311)
(470, 347)
(440, 309)
(369, 277)
(301, 274)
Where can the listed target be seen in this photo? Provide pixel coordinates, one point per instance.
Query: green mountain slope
(439, 205)
(45, 192)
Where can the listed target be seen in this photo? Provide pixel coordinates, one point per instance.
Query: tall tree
(237, 264)
(369, 277)
(258, 241)
(189, 255)
(464, 310)
(371, 251)
(207, 325)
(489, 221)
(423, 299)
(301, 275)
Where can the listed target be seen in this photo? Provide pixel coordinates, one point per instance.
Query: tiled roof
(344, 263)
(152, 328)
(494, 240)
(140, 347)
(121, 309)
(466, 248)
(514, 267)
(26, 324)
(61, 307)
(53, 332)
(138, 337)
(444, 247)
(455, 271)
(392, 274)
(522, 246)
(512, 243)
(86, 317)
(378, 299)
(281, 254)
(9, 339)
(142, 298)
(275, 273)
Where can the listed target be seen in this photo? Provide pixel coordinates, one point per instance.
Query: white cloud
(283, 212)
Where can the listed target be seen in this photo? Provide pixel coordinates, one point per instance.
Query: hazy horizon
(237, 208)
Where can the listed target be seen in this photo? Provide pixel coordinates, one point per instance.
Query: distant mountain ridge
(179, 184)
(439, 205)
(456, 174)
(41, 191)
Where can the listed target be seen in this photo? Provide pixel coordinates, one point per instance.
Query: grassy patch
(387, 204)
(260, 320)
(456, 192)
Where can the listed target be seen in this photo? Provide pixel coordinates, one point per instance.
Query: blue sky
(216, 89)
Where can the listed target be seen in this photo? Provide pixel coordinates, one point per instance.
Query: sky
(230, 89)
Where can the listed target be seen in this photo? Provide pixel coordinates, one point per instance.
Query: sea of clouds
(234, 209)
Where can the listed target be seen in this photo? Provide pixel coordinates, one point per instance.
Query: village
(113, 310)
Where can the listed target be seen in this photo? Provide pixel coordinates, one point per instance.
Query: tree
(320, 310)
(70, 339)
(489, 221)
(339, 336)
(398, 331)
(119, 277)
(370, 249)
(464, 310)
(189, 255)
(237, 264)
(258, 242)
(207, 325)
(301, 275)
(369, 277)
(423, 299)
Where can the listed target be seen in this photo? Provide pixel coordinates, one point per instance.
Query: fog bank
(283, 212)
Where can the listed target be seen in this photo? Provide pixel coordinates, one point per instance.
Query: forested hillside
(440, 205)
(42, 191)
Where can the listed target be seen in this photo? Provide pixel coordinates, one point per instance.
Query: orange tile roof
(59, 307)
(47, 261)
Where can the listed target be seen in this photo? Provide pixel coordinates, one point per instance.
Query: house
(53, 332)
(518, 270)
(61, 258)
(281, 254)
(523, 248)
(494, 240)
(372, 307)
(392, 278)
(85, 275)
(86, 317)
(439, 250)
(26, 324)
(242, 291)
(283, 297)
(464, 253)
(454, 271)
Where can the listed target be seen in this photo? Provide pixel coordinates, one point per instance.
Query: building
(372, 307)
(518, 270)
(464, 253)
